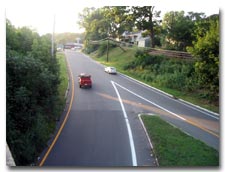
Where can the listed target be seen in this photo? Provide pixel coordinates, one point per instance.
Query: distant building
(144, 42)
(60, 47)
(135, 38)
(72, 45)
(69, 45)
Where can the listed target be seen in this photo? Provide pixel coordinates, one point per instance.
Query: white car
(111, 70)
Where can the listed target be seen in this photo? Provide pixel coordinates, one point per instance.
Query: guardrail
(153, 51)
(169, 53)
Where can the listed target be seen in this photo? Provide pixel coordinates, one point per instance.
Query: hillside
(172, 75)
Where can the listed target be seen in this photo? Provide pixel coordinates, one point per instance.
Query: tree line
(32, 78)
(63, 38)
(173, 31)
(193, 32)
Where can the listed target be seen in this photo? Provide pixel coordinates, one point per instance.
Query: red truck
(85, 80)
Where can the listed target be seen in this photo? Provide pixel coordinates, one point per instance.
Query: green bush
(166, 72)
(102, 49)
(32, 78)
(128, 66)
(142, 58)
(91, 48)
(147, 76)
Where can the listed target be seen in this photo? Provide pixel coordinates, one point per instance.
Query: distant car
(59, 49)
(111, 70)
(84, 80)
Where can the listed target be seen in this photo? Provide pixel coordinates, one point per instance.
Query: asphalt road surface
(103, 128)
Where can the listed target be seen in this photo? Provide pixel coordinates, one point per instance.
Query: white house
(136, 38)
(144, 42)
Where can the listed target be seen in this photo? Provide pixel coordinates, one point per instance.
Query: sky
(39, 14)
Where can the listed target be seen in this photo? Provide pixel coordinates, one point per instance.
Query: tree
(178, 29)
(32, 78)
(19, 40)
(96, 26)
(25, 37)
(12, 42)
(99, 23)
(120, 20)
(146, 19)
(206, 51)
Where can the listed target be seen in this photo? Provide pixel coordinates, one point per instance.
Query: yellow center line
(64, 121)
(158, 111)
(201, 127)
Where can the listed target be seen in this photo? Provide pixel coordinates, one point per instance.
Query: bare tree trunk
(152, 34)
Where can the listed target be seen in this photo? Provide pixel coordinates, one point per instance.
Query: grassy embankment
(173, 148)
(60, 101)
(63, 82)
(120, 59)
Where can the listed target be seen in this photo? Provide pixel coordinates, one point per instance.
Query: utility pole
(53, 34)
(107, 49)
(108, 46)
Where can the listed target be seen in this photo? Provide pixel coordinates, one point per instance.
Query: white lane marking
(148, 138)
(185, 103)
(150, 101)
(181, 101)
(132, 147)
(199, 108)
(147, 86)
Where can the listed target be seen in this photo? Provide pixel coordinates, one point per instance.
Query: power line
(108, 39)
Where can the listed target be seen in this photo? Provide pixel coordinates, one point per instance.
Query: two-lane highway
(103, 128)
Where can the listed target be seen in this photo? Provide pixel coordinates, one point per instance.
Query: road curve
(103, 128)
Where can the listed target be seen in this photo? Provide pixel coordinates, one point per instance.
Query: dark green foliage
(206, 52)
(96, 26)
(32, 80)
(90, 48)
(103, 48)
(169, 73)
(178, 28)
(175, 74)
(144, 59)
(146, 18)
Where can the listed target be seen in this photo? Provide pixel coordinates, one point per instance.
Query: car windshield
(85, 78)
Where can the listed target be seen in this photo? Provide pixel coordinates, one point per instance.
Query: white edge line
(148, 138)
(186, 103)
(132, 147)
(142, 83)
(200, 109)
(174, 114)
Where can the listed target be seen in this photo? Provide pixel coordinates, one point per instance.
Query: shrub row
(167, 72)
(32, 78)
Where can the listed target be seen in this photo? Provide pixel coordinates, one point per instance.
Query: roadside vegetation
(63, 77)
(35, 89)
(174, 76)
(195, 80)
(174, 148)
